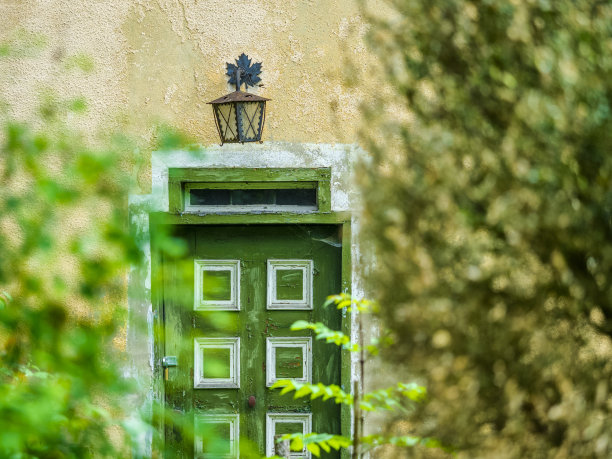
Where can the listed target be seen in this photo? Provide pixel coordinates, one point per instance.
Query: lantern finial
(243, 72)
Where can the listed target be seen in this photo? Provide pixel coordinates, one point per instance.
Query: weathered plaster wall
(143, 62)
(177, 52)
(44, 42)
(162, 60)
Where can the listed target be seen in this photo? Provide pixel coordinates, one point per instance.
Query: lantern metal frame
(243, 72)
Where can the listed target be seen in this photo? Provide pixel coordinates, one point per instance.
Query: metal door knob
(252, 401)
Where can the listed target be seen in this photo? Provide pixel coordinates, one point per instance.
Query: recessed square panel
(289, 362)
(279, 424)
(216, 363)
(289, 284)
(217, 285)
(216, 436)
(288, 358)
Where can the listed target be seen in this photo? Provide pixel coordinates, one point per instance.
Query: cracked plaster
(162, 60)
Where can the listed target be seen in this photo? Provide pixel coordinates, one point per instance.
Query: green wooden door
(228, 308)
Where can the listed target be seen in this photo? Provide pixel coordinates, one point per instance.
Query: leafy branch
(382, 399)
(391, 399)
(329, 335)
(314, 391)
(346, 301)
(315, 442)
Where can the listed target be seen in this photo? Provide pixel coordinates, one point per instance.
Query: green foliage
(316, 442)
(65, 251)
(313, 391)
(385, 399)
(22, 44)
(388, 399)
(345, 301)
(169, 138)
(488, 208)
(80, 61)
(59, 322)
(323, 332)
(405, 441)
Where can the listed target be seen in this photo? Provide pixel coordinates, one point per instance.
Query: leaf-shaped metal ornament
(248, 73)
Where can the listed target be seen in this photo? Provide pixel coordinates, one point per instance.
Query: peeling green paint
(253, 245)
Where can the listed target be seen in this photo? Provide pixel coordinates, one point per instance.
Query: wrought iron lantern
(240, 116)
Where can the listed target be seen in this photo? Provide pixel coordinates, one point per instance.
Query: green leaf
(300, 325)
(314, 449)
(302, 392)
(297, 444)
(322, 332)
(314, 390)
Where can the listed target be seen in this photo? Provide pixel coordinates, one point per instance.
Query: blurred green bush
(488, 205)
(65, 252)
(65, 248)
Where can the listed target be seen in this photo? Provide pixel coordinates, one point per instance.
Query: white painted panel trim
(231, 343)
(302, 342)
(233, 266)
(232, 419)
(274, 418)
(306, 266)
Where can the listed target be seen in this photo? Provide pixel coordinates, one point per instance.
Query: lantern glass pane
(251, 119)
(226, 116)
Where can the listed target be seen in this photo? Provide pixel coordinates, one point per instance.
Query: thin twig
(358, 419)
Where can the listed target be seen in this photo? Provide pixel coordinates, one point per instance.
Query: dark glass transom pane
(297, 197)
(254, 197)
(209, 197)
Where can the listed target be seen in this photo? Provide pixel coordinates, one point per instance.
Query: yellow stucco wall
(162, 60)
(139, 63)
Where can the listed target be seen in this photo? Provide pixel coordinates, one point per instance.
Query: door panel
(228, 308)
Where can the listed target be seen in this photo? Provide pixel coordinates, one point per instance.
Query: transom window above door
(281, 196)
(233, 190)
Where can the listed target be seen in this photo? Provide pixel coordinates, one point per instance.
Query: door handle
(252, 401)
(167, 362)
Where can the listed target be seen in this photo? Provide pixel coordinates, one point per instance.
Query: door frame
(177, 177)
